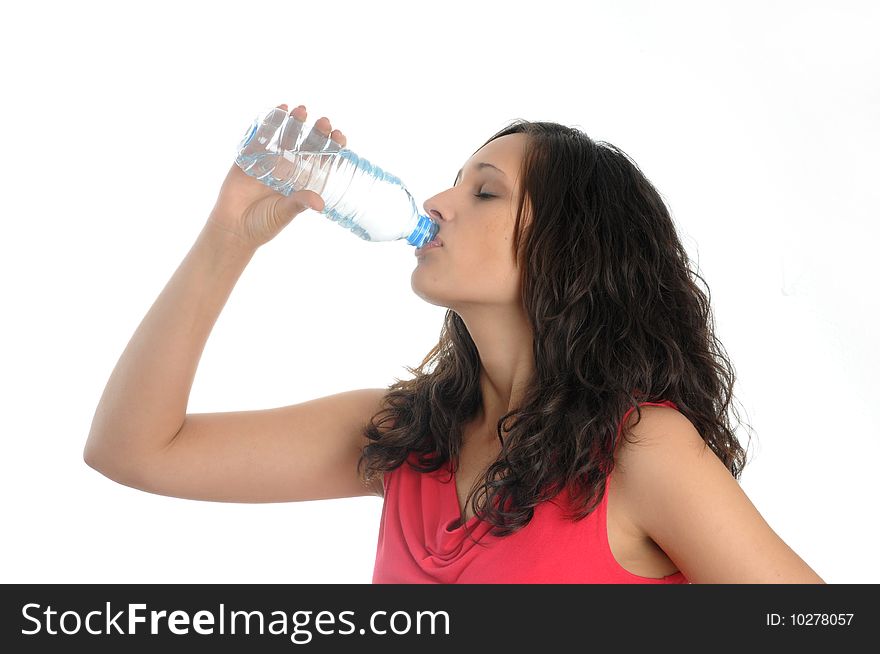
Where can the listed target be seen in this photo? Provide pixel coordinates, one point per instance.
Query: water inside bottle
(289, 175)
(356, 193)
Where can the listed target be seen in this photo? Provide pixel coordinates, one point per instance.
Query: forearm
(144, 402)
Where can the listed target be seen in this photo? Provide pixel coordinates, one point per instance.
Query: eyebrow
(480, 166)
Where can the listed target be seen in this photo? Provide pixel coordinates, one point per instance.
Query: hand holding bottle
(357, 195)
(256, 213)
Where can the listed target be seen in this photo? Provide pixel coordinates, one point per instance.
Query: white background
(758, 122)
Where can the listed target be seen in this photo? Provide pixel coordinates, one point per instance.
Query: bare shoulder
(677, 492)
(661, 423)
(641, 447)
(661, 432)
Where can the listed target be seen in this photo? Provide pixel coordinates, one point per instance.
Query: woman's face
(475, 265)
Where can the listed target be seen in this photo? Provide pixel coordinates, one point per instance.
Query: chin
(430, 298)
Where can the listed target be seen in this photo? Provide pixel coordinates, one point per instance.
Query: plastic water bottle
(357, 195)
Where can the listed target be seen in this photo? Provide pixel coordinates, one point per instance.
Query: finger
(339, 138)
(293, 128)
(266, 128)
(299, 113)
(298, 202)
(332, 145)
(290, 134)
(313, 201)
(318, 137)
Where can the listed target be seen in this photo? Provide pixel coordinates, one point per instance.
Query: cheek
(496, 238)
(489, 268)
(497, 250)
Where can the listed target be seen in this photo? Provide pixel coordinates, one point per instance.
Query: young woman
(577, 389)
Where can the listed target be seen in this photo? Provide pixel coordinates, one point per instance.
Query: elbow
(92, 454)
(96, 462)
(106, 465)
(120, 465)
(89, 454)
(101, 458)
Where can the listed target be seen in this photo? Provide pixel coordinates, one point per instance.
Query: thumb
(302, 200)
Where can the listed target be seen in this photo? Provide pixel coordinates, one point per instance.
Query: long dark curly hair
(617, 319)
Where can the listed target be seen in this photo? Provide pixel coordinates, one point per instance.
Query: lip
(430, 245)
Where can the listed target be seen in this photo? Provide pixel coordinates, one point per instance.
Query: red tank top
(419, 544)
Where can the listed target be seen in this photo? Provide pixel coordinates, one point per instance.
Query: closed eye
(484, 196)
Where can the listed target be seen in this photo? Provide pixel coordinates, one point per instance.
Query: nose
(433, 213)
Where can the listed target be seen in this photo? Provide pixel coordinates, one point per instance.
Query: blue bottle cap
(424, 231)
